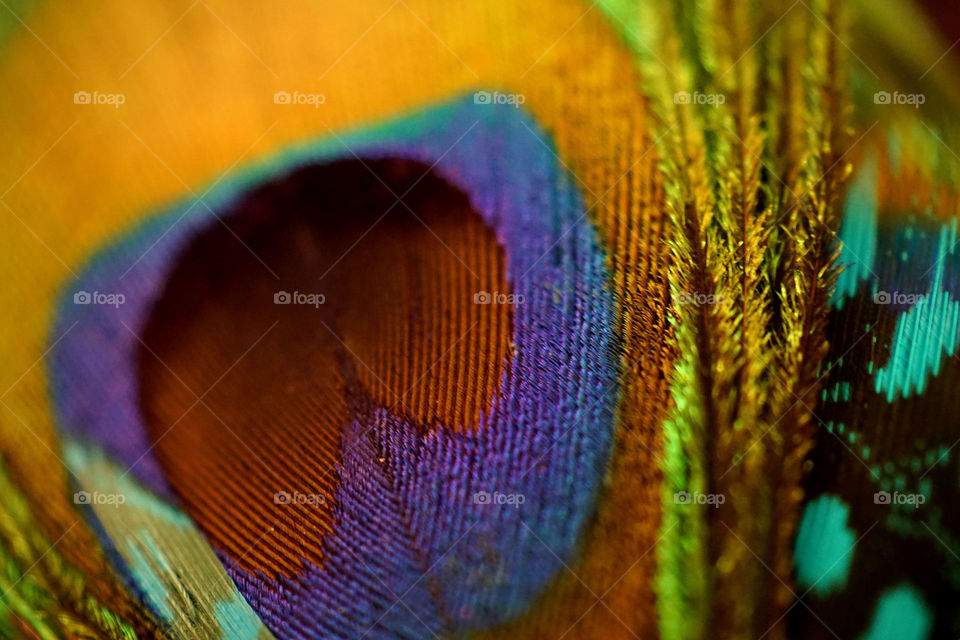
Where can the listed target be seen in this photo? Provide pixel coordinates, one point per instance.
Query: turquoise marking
(824, 548)
(858, 232)
(147, 578)
(900, 615)
(238, 620)
(923, 333)
(147, 562)
(87, 459)
(839, 390)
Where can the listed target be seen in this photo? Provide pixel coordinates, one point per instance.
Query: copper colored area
(245, 398)
(945, 17)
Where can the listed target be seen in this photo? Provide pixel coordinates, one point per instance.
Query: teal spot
(930, 328)
(150, 567)
(824, 548)
(858, 232)
(145, 572)
(839, 390)
(900, 615)
(237, 619)
(80, 457)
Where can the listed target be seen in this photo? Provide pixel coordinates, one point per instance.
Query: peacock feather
(413, 319)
